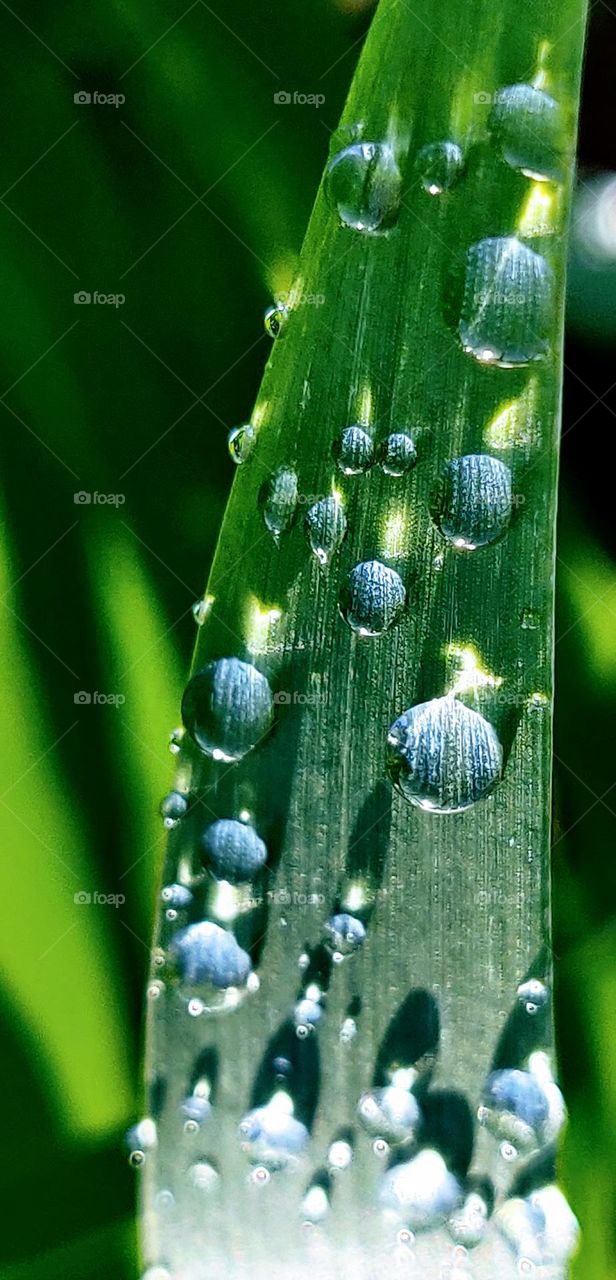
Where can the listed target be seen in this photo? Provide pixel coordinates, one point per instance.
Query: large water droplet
(233, 850)
(527, 125)
(373, 598)
(439, 165)
(278, 501)
(275, 319)
(515, 1107)
(354, 451)
(472, 501)
(205, 953)
(228, 708)
(421, 1191)
(397, 454)
(326, 526)
(271, 1136)
(391, 1113)
(363, 183)
(443, 756)
(508, 303)
(240, 442)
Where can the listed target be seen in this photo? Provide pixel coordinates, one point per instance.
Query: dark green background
(191, 199)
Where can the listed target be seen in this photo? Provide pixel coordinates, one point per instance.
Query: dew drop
(233, 850)
(391, 1113)
(527, 125)
(354, 451)
(140, 1139)
(363, 183)
(307, 1015)
(203, 1176)
(344, 934)
(206, 953)
(468, 1224)
(275, 319)
(228, 708)
(176, 896)
(278, 501)
(372, 599)
(173, 808)
(340, 1155)
(442, 756)
(315, 1205)
(397, 454)
(515, 1107)
(533, 996)
(507, 307)
(271, 1136)
(195, 1108)
(240, 442)
(325, 525)
(439, 165)
(471, 503)
(175, 741)
(421, 1191)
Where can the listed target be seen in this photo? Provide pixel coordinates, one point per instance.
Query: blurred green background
(187, 202)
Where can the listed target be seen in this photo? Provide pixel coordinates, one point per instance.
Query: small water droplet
(196, 1108)
(442, 756)
(140, 1139)
(278, 498)
(176, 896)
(439, 165)
(275, 319)
(228, 708)
(344, 933)
(200, 610)
(271, 1136)
(240, 442)
(421, 1191)
(380, 1148)
(203, 1176)
(468, 1224)
(471, 503)
(397, 454)
(325, 525)
(354, 451)
(233, 850)
(527, 125)
(390, 1112)
(175, 740)
(533, 996)
(508, 303)
(348, 1030)
(173, 808)
(363, 183)
(340, 1155)
(206, 953)
(315, 1205)
(515, 1108)
(307, 1015)
(373, 598)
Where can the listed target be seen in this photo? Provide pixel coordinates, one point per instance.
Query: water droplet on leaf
(527, 125)
(278, 501)
(240, 442)
(442, 756)
(363, 183)
(508, 308)
(228, 708)
(354, 451)
(397, 454)
(233, 850)
(275, 319)
(326, 526)
(205, 953)
(472, 502)
(373, 598)
(439, 165)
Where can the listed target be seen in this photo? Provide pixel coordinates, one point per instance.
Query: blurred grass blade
(424, 333)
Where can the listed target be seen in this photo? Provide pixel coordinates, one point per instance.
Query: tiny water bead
(233, 850)
(527, 125)
(443, 756)
(391, 1113)
(278, 498)
(344, 934)
(275, 319)
(240, 442)
(176, 896)
(515, 1107)
(203, 1176)
(271, 1136)
(228, 708)
(533, 996)
(507, 307)
(397, 454)
(140, 1139)
(372, 599)
(468, 1224)
(175, 740)
(472, 503)
(315, 1205)
(307, 1014)
(173, 808)
(422, 1191)
(325, 525)
(439, 166)
(196, 1108)
(354, 451)
(363, 183)
(340, 1155)
(206, 953)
